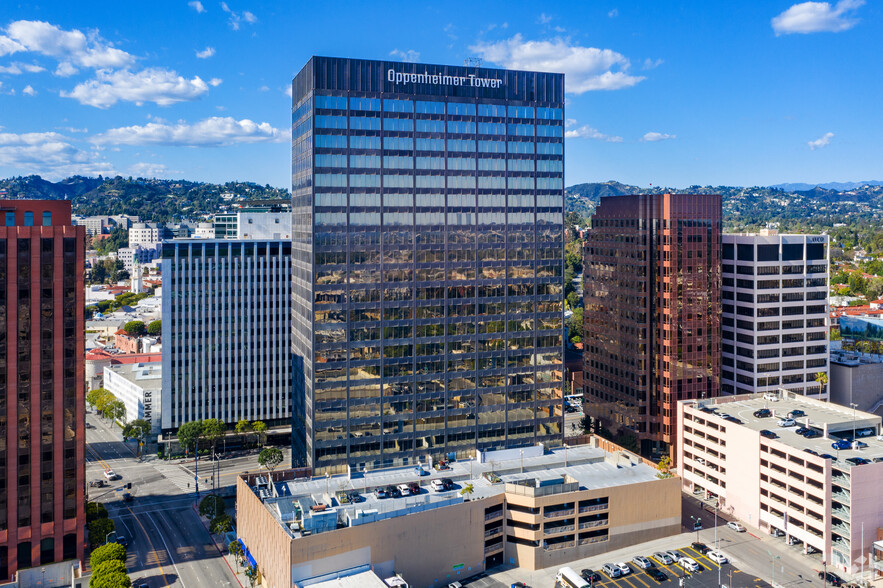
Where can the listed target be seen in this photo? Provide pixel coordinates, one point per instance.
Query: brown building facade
(652, 294)
(42, 421)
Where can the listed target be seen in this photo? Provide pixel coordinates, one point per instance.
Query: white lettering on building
(471, 80)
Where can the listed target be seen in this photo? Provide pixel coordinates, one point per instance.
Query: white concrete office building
(775, 313)
(226, 315)
(138, 385)
(146, 233)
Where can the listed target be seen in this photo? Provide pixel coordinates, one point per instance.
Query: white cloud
(162, 86)
(151, 170)
(205, 53)
(288, 91)
(613, 13)
(652, 64)
(197, 6)
(50, 155)
(409, 56)
(72, 46)
(215, 82)
(29, 91)
(236, 17)
(65, 69)
(264, 89)
(8, 46)
(19, 68)
(654, 136)
(822, 141)
(211, 132)
(817, 17)
(586, 68)
(544, 18)
(587, 132)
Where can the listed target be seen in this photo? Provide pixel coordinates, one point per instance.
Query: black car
(828, 456)
(768, 434)
(393, 492)
(733, 419)
(796, 413)
(657, 574)
(812, 434)
(802, 430)
(448, 483)
(590, 576)
(701, 547)
(763, 413)
(832, 579)
(812, 451)
(858, 460)
(123, 541)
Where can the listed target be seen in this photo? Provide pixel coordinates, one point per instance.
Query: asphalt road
(168, 543)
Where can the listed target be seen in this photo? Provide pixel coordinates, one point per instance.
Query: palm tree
(822, 381)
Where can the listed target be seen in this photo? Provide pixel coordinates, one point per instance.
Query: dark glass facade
(42, 419)
(652, 297)
(427, 261)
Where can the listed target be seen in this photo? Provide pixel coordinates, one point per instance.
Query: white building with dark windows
(138, 385)
(146, 233)
(226, 331)
(775, 311)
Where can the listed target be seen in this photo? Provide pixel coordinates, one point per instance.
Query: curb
(215, 543)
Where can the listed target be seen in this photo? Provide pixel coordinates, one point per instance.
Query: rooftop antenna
(472, 62)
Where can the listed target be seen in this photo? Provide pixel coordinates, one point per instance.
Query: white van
(568, 578)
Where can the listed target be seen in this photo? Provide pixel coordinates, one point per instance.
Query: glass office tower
(427, 247)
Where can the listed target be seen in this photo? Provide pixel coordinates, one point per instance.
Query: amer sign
(471, 80)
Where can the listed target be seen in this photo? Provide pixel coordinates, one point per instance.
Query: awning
(248, 556)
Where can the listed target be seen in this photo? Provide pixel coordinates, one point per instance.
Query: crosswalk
(177, 475)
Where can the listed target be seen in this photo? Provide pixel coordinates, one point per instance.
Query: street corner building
(652, 318)
(427, 261)
(42, 376)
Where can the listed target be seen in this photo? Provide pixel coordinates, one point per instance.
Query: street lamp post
(824, 574)
(565, 455)
(773, 559)
(522, 460)
(107, 537)
(697, 524)
(854, 406)
(716, 546)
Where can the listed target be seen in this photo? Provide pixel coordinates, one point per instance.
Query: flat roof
(834, 421)
(590, 467)
(360, 580)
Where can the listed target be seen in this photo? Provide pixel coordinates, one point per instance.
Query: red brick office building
(42, 421)
(652, 294)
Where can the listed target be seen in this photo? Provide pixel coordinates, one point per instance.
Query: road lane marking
(152, 550)
(169, 551)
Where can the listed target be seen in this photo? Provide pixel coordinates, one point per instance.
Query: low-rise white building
(139, 386)
(146, 233)
(140, 254)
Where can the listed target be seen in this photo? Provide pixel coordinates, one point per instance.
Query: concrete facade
(857, 378)
(783, 481)
(535, 512)
(139, 386)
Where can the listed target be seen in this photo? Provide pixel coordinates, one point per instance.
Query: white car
(717, 556)
(688, 563)
(455, 585)
(787, 423)
(623, 568)
(642, 562)
(736, 526)
(110, 474)
(771, 397)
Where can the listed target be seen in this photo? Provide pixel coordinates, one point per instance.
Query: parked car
(611, 570)
(717, 557)
(455, 585)
(623, 568)
(786, 422)
(674, 555)
(793, 541)
(663, 558)
(796, 413)
(127, 497)
(802, 430)
(858, 460)
(413, 488)
(381, 493)
(736, 526)
(123, 541)
(688, 563)
(393, 492)
(832, 579)
(448, 483)
(812, 434)
(763, 413)
(811, 451)
(859, 445)
(733, 419)
(657, 574)
(590, 576)
(110, 474)
(700, 547)
(864, 432)
(768, 434)
(841, 444)
(354, 496)
(828, 456)
(771, 397)
(777, 532)
(642, 562)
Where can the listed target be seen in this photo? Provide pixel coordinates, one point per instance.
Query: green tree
(135, 328)
(243, 427)
(252, 573)
(664, 467)
(115, 410)
(270, 458)
(213, 430)
(212, 506)
(189, 434)
(235, 549)
(109, 552)
(99, 529)
(221, 524)
(467, 490)
(95, 511)
(93, 397)
(137, 429)
(575, 324)
(822, 380)
(260, 429)
(874, 288)
(154, 328)
(110, 574)
(119, 237)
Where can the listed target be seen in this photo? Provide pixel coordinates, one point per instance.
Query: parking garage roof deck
(589, 467)
(832, 420)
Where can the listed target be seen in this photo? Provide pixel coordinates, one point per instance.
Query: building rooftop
(147, 376)
(833, 421)
(307, 506)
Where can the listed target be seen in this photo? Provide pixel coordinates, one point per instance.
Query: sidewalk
(238, 571)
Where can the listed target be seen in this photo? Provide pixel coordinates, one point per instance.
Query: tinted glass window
(767, 253)
(745, 252)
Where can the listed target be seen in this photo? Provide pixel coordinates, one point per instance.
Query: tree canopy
(135, 328)
(270, 457)
(154, 328)
(109, 552)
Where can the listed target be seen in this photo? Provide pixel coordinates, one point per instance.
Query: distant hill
(836, 186)
(150, 199)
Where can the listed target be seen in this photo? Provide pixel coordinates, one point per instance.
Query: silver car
(642, 562)
(663, 558)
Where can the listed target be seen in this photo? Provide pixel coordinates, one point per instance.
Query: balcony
(841, 497)
(557, 546)
(493, 548)
(493, 532)
(841, 529)
(599, 539)
(557, 529)
(841, 513)
(493, 515)
(593, 508)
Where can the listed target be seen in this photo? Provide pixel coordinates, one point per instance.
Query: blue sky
(662, 93)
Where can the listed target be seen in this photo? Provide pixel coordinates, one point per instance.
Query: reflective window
(338, 102)
(459, 108)
(550, 131)
(491, 147)
(365, 142)
(491, 110)
(364, 123)
(550, 113)
(29, 219)
(430, 107)
(10, 219)
(520, 112)
(331, 141)
(492, 164)
(370, 161)
(365, 103)
(325, 160)
(550, 148)
(430, 144)
(398, 162)
(520, 147)
(430, 162)
(430, 126)
(47, 219)
(461, 145)
(390, 105)
(398, 143)
(325, 121)
(459, 126)
(398, 124)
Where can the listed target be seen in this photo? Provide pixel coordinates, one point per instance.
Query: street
(168, 543)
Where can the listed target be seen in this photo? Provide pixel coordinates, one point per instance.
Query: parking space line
(699, 557)
(626, 580)
(637, 577)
